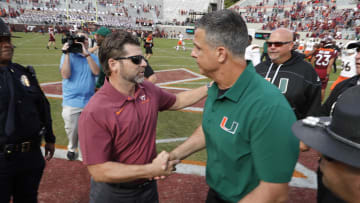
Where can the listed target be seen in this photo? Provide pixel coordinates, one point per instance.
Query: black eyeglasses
(277, 44)
(135, 59)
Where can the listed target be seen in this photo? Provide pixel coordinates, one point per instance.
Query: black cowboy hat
(353, 45)
(4, 30)
(337, 136)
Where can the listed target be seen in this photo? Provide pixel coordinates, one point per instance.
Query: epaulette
(28, 69)
(31, 70)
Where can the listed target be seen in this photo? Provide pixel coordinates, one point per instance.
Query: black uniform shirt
(4, 99)
(25, 111)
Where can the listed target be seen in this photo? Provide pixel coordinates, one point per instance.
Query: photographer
(78, 69)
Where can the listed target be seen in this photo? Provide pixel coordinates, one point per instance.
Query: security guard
(24, 119)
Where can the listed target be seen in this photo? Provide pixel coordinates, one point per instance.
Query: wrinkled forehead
(280, 36)
(132, 49)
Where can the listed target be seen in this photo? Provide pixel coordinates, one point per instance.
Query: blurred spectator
(252, 53)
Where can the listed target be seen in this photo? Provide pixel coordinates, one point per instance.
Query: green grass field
(31, 50)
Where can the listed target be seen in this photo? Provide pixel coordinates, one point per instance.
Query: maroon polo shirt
(115, 127)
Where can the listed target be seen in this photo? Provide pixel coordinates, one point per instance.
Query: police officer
(24, 119)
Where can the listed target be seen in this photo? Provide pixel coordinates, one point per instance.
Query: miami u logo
(283, 84)
(233, 128)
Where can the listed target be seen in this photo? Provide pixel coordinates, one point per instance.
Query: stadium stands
(114, 13)
(340, 19)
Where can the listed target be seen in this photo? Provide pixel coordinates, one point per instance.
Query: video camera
(71, 39)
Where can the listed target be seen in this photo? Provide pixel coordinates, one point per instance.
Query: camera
(71, 39)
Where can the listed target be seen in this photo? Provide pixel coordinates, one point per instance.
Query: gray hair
(225, 28)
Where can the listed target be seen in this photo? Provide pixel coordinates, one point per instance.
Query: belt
(132, 185)
(27, 146)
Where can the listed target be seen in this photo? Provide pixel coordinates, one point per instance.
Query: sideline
(302, 178)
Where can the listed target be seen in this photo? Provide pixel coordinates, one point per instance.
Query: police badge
(25, 81)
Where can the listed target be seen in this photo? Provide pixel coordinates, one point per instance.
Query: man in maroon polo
(117, 129)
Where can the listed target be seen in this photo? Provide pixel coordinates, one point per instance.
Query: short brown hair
(113, 46)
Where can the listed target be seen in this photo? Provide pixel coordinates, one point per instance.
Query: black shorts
(148, 50)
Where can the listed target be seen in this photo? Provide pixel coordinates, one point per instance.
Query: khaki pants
(71, 116)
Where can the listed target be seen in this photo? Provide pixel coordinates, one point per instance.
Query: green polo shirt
(248, 136)
(265, 47)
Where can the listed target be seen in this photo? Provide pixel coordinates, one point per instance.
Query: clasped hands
(163, 165)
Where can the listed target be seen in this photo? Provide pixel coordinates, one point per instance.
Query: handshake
(162, 166)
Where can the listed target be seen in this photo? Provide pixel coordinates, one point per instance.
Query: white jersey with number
(252, 53)
(309, 46)
(348, 65)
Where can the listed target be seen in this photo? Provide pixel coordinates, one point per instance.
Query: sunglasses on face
(137, 59)
(276, 44)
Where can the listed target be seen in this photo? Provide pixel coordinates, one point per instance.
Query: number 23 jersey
(323, 57)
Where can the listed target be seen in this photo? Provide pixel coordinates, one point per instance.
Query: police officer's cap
(4, 30)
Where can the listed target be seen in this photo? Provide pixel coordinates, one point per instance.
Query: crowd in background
(317, 17)
(109, 13)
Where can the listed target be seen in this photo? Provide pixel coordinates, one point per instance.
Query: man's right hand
(304, 147)
(162, 166)
(65, 47)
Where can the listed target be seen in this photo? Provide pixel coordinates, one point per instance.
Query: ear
(112, 64)
(221, 54)
(291, 45)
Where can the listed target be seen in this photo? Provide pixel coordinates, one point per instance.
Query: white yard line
(50, 83)
(42, 65)
(309, 182)
(196, 109)
(171, 140)
(175, 88)
(177, 81)
(54, 96)
(168, 65)
(197, 74)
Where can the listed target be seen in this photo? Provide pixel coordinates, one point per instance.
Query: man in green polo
(99, 36)
(265, 55)
(246, 122)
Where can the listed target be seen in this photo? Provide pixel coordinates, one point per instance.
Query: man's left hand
(49, 150)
